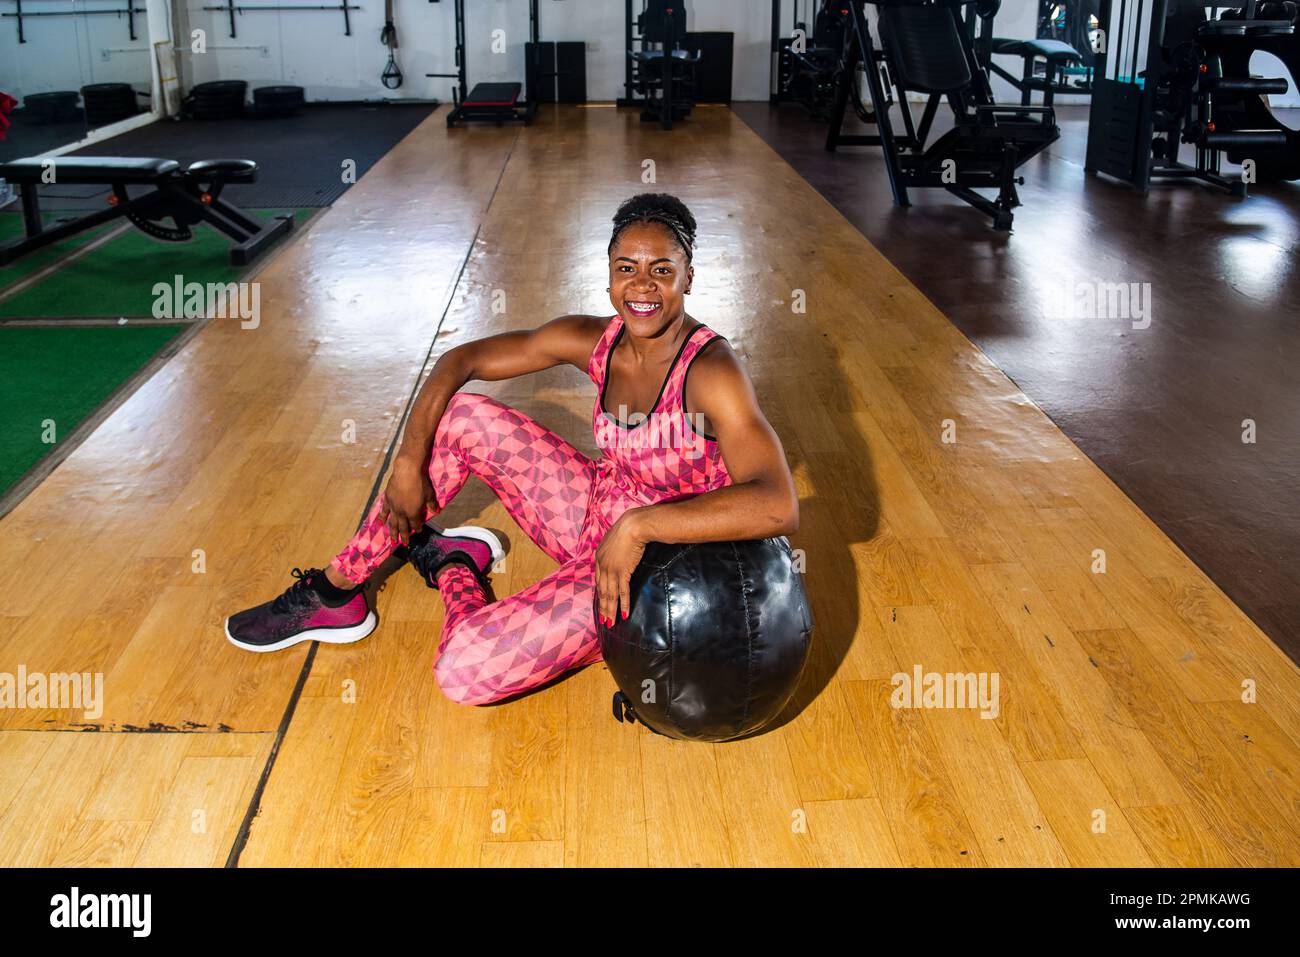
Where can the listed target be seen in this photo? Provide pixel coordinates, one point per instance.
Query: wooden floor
(1122, 736)
(1156, 408)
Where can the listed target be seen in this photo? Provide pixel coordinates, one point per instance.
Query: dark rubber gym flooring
(1159, 409)
(25, 138)
(300, 158)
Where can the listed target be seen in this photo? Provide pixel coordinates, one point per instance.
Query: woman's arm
(569, 339)
(761, 502)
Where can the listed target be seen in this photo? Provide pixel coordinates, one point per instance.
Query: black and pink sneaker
(431, 548)
(303, 613)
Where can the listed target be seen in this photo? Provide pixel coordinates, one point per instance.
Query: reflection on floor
(1163, 408)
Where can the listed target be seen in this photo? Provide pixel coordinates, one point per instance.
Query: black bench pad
(1051, 49)
(88, 169)
(493, 94)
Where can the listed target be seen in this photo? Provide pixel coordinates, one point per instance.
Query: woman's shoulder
(582, 325)
(712, 347)
(715, 363)
(715, 381)
(580, 339)
(573, 338)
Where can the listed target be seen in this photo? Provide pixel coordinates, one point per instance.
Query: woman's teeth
(643, 308)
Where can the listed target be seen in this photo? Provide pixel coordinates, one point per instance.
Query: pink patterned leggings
(489, 651)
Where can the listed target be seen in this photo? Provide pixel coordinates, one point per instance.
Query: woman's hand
(406, 497)
(616, 558)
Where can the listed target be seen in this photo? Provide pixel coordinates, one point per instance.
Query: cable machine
(806, 71)
(659, 76)
(1171, 76)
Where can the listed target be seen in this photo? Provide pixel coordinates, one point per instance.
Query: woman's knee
(466, 414)
(474, 404)
(470, 684)
(465, 689)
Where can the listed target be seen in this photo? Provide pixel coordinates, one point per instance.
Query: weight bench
(185, 196)
(491, 101)
(1056, 56)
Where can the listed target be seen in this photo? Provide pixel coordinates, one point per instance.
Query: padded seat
(1241, 28)
(89, 169)
(1057, 57)
(223, 170)
(650, 56)
(493, 94)
(1223, 28)
(1056, 50)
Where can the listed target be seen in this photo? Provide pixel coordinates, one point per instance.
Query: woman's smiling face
(648, 278)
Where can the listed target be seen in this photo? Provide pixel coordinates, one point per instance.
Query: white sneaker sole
(478, 534)
(330, 636)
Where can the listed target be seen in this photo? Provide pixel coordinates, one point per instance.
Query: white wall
(1016, 19)
(67, 53)
(1265, 64)
(310, 49)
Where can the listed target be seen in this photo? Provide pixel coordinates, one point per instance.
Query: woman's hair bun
(662, 208)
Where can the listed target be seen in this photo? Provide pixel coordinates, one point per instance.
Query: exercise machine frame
(669, 62)
(817, 65)
(1136, 129)
(991, 140)
(1056, 56)
(501, 103)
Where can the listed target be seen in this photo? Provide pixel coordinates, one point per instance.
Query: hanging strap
(392, 75)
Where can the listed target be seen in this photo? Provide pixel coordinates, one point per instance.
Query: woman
(701, 463)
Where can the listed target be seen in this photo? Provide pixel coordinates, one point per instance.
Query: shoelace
(297, 595)
(423, 553)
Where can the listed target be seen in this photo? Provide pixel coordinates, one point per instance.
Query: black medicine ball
(716, 638)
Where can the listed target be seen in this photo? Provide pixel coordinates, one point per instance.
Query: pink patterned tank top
(664, 451)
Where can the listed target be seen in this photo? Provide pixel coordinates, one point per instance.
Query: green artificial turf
(51, 378)
(11, 227)
(118, 278)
